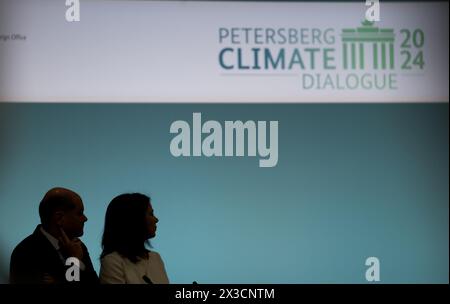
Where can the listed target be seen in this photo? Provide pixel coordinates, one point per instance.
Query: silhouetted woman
(129, 224)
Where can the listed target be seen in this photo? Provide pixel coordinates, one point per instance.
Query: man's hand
(71, 248)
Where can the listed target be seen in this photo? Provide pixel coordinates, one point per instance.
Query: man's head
(62, 208)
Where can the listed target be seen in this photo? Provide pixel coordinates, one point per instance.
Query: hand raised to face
(70, 247)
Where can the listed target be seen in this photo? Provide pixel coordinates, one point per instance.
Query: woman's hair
(125, 227)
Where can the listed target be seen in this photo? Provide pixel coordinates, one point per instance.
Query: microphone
(147, 279)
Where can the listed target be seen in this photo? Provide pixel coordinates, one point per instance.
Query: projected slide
(273, 143)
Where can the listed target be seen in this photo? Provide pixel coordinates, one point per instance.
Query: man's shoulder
(30, 244)
(29, 241)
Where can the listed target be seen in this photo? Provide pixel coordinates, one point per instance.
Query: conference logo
(364, 57)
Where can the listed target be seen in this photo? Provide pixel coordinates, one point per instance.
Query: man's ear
(59, 218)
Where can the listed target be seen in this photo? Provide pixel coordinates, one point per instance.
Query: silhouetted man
(41, 257)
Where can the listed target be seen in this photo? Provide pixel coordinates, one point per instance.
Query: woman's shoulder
(154, 255)
(112, 257)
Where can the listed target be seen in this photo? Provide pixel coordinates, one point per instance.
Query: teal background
(352, 181)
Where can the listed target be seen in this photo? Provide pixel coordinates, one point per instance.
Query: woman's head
(129, 223)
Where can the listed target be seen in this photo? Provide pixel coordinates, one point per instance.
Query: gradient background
(352, 181)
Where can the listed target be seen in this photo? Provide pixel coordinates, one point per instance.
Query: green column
(345, 56)
(391, 55)
(353, 55)
(361, 55)
(375, 55)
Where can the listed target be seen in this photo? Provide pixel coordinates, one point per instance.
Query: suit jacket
(35, 256)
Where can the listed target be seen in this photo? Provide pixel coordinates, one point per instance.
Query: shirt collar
(54, 241)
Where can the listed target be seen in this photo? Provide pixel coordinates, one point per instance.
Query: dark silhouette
(129, 224)
(40, 258)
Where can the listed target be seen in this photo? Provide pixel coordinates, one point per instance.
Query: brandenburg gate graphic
(353, 41)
